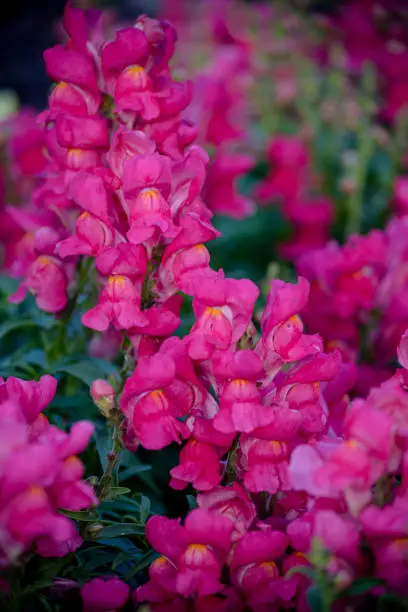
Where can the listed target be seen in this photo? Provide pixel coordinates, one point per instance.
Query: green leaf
(13, 325)
(192, 502)
(129, 460)
(121, 558)
(80, 516)
(115, 492)
(40, 573)
(140, 565)
(121, 529)
(145, 506)
(36, 357)
(361, 586)
(45, 603)
(103, 444)
(314, 599)
(133, 471)
(8, 285)
(98, 558)
(124, 504)
(86, 371)
(123, 544)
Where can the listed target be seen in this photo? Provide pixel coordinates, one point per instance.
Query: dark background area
(27, 28)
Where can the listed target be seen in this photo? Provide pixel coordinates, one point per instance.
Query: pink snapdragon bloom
(233, 502)
(223, 308)
(32, 239)
(306, 460)
(47, 280)
(217, 103)
(220, 188)
(240, 399)
(339, 535)
(290, 162)
(129, 48)
(163, 389)
(186, 256)
(171, 135)
(391, 399)
(392, 292)
(163, 320)
(127, 80)
(75, 67)
(401, 195)
(200, 457)
(385, 529)
(284, 426)
(101, 595)
(31, 396)
(264, 454)
(264, 464)
(336, 395)
(282, 338)
(91, 192)
(82, 132)
(129, 260)
(311, 220)
(344, 283)
(126, 144)
(193, 555)
(301, 385)
(254, 571)
(353, 466)
(199, 465)
(11, 235)
(26, 146)
(91, 236)
(39, 474)
(188, 178)
(119, 305)
(375, 33)
(146, 185)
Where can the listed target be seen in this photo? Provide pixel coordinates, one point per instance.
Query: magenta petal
(166, 536)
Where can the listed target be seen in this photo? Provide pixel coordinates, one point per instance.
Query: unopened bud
(103, 395)
(94, 530)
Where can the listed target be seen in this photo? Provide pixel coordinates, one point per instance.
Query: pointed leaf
(121, 529)
(140, 565)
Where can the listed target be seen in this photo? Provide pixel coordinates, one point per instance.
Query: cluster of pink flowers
(361, 475)
(289, 183)
(346, 487)
(269, 440)
(40, 473)
(375, 31)
(219, 106)
(358, 298)
(26, 160)
(124, 189)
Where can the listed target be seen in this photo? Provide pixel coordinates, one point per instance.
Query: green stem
(365, 146)
(355, 200)
(82, 276)
(113, 457)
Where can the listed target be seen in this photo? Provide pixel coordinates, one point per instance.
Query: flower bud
(94, 529)
(103, 396)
